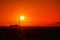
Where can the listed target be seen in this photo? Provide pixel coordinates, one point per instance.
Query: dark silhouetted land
(30, 33)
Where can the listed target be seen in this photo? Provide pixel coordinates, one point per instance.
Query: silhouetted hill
(55, 24)
(58, 23)
(14, 26)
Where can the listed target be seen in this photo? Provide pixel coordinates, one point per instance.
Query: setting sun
(29, 12)
(22, 18)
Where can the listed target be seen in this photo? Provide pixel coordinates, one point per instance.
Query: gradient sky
(36, 12)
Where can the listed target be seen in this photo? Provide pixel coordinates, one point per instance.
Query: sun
(22, 18)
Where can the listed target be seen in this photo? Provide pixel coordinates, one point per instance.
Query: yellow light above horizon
(22, 18)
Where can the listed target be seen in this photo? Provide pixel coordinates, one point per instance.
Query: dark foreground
(37, 33)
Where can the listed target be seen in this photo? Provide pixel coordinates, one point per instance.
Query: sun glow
(22, 18)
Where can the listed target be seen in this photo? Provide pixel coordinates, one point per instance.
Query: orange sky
(36, 12)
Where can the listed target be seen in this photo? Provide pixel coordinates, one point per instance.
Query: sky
(36, 12)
